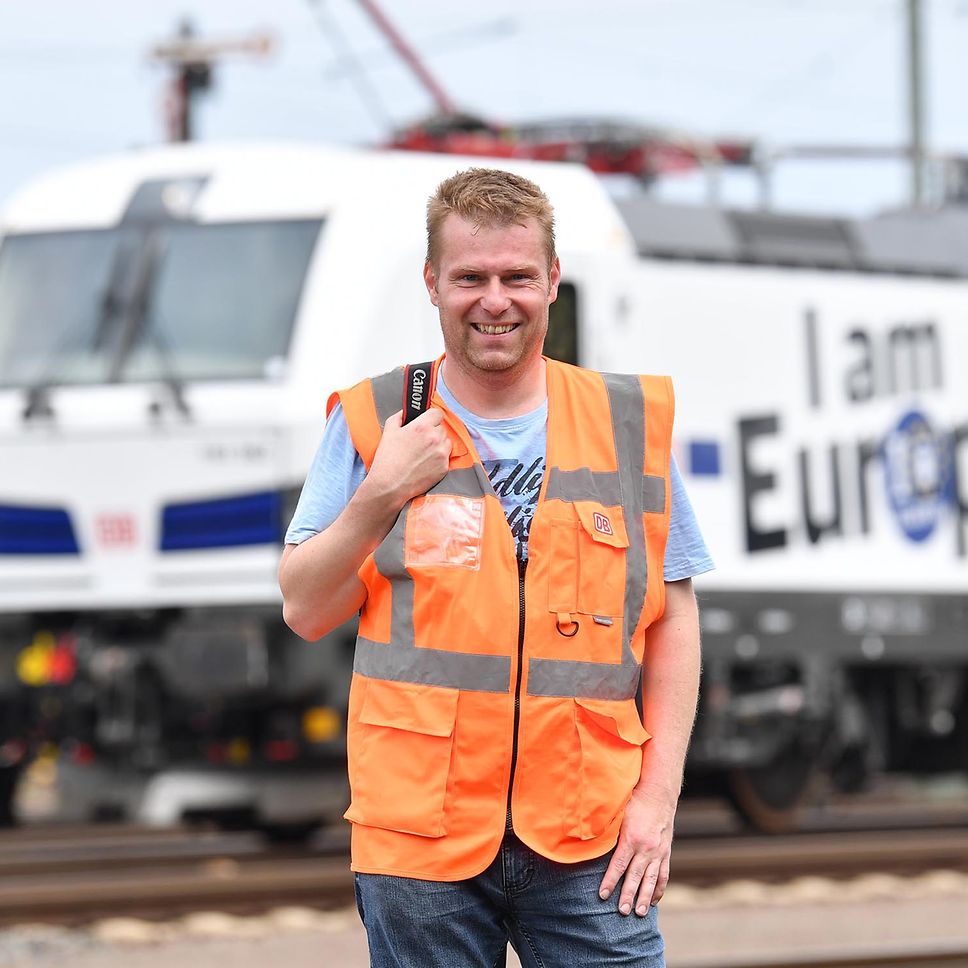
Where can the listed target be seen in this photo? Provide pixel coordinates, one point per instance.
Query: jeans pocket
(400, 756)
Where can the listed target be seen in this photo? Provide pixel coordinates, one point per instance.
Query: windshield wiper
(141, 326)
(37, 396)
(37, 402)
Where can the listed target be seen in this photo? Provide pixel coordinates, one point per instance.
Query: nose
(495, 299)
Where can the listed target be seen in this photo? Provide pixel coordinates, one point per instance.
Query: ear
(430, 281)
(554, 277)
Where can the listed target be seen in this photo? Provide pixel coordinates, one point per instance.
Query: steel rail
(213, 885)
(153, 848)
(833, 855)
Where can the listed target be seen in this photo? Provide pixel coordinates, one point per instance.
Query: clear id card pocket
(445, 530)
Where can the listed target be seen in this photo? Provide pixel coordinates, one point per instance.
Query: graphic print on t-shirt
(517, 486)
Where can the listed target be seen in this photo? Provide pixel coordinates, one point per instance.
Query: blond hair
(489, 196)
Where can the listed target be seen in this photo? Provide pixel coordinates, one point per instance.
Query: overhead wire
(367, 91)
(780, 89)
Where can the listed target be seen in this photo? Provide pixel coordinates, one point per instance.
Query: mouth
(494, 330)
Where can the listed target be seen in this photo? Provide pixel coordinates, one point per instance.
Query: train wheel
(769, 798)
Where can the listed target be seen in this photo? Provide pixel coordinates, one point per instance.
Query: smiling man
(504, 786)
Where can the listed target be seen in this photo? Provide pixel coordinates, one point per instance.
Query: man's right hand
(320, 583)
(412, 459)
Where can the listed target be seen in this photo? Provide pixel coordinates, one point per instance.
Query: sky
(78, 80)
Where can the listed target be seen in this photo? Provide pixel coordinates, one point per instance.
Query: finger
(647, 889)
(432, 416)
(661, 883)
(614, 871)
(394, 420)
(633, 878)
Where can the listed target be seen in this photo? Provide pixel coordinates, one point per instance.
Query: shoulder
(371, 388)
(581, 374)
(366, 407)
(621, 389)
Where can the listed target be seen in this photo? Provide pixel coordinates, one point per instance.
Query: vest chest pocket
(587, 562)
(399, 757)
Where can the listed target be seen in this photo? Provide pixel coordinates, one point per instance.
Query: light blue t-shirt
(512, 450)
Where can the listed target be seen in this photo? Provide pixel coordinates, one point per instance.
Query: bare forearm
(670, 690)
(319, 578)
(671, 687)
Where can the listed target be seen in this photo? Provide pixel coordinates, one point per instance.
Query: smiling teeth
(493, 330)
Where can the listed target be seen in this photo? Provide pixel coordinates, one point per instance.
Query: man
(502, 785)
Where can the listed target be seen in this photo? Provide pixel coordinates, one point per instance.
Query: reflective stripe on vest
(636, 493)
(401, 660)
(387, 394)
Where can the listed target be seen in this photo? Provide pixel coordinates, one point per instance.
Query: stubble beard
(508, 361)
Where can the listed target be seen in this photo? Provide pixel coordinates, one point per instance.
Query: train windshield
(181, 301)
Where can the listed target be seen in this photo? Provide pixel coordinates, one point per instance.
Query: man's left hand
(642, 854)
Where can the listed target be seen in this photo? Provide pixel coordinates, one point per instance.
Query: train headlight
(47, 660)
(321, 724)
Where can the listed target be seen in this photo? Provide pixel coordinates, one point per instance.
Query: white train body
(172, 321)
(113, 455)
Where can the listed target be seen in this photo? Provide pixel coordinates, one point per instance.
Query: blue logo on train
(919, 474)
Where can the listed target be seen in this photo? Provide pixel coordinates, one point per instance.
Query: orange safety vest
(483, 693)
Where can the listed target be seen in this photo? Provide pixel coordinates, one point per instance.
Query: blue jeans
(551, 913)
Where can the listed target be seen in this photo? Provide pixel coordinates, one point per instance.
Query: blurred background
(767, 199)
(791, 73)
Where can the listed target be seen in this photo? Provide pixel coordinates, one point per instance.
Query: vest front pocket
(400, 756)
(586, 569)
(610, 736)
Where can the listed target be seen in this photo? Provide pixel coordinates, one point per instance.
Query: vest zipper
(522, 568)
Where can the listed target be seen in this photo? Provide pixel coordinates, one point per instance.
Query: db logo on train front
(116, 530)
(603, 524)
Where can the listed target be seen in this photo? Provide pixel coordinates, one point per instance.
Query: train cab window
(186, 301)
(223, 300)
(55, 314)
(561, 343)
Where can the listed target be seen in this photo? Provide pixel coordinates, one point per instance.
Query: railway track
(79, 849)
(837, 856)
(79, 877)
(890, 806)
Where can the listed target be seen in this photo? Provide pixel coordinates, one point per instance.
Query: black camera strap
(418, 388)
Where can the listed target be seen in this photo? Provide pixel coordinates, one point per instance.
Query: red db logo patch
(115, 530)
(603, 524)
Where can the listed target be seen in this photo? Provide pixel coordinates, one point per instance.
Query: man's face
(492, 287)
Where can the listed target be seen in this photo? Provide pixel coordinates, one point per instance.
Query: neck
(499, 394)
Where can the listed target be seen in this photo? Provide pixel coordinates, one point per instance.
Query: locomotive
(171, 323)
